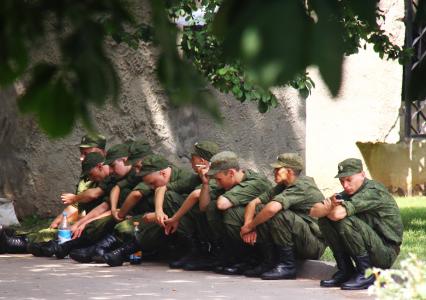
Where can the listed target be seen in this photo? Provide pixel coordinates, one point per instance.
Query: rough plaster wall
(367, 108)
(35, 170)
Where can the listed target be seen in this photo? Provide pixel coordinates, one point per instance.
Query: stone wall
(35, 170)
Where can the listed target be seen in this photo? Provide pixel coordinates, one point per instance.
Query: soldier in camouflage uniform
(283, 228)
(171, 185)
(34, 242)
(363, 224)
(122, 231)
(225, 211)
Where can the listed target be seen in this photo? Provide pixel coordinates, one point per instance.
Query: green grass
(32, 224)
(413, 213)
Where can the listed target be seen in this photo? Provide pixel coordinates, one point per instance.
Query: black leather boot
(193, 253)
(49, 248)
(286, 267)
(359, 281)
(37, 249)
(345, 271)
(65, 248)
(118, 256)
(2, 239)
(268, 261)
(94, 252)
(15, 244)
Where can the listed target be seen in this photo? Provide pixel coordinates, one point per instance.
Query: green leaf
(57, 111)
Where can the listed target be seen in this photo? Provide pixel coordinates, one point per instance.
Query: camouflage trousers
(285, 229)
(353, 236)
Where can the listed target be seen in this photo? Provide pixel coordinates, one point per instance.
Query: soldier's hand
(116, 216)
(68, 198)
(335, 201)
(250, 238)
(202, 171)
(161, 217)
(171, 226)
(149, 218)
(77, 233)
(55, 223)
(244, 230)
(328, 204)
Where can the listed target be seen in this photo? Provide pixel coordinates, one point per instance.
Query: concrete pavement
(28, 277)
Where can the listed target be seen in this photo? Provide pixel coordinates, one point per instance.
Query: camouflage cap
(223, 161)
(90, 161)
(116, 152)
(288, 160)
(153, 163)
(205, 149)
(93, 140)
(138, 150)
(349, 167)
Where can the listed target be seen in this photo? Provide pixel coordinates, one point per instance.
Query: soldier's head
(202, 153)
(351, 175)
(116, 158)
(287, 168)
(92, 143)
(93, 166)
(225, 168)
(137, 151)
(155, 171)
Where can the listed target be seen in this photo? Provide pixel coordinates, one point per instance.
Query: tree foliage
(242, 47)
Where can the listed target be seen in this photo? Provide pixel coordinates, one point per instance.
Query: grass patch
(31, 224)
(413, 213)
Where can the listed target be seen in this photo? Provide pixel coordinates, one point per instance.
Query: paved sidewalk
(28, 277)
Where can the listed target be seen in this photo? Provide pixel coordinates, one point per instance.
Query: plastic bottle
(64, 231)
(136, 258)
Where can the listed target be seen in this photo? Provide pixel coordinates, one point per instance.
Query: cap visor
(212, 172)
(345, 174)
(109, 161)
(276, 165)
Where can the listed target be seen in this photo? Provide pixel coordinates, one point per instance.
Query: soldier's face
(119, 167)
(155, 179)
(198, 163)
(225, 179)
(351, 184)
(280, 175)
(97, 173)
(85, 151)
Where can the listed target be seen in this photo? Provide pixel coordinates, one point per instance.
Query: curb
(315, 269)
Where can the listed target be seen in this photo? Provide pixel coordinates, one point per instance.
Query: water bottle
(136, 258)
(64, 231)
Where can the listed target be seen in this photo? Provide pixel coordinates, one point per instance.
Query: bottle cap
(136, 223)
(64, 214)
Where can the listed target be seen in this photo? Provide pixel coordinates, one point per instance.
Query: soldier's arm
(223, 203)
(83, 197)
(131, 200)
(98, 210)
(250, 211)
(338, 213)
(187, 204)
(321, 209)
(204, 200)
(270, 210)
(159, 200)
(113, 196)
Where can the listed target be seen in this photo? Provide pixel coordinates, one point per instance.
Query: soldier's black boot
(118, 256)
(36, 249)
(94, 252)
(268, 261)
(49, 248)
(15, 244)
(345, 271)
(2, 239)
(245, 261)
(105, 245)
(65, 248)
(359, 281)
(192, 250)
(286, 266)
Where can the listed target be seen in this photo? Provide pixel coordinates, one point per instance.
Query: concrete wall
(35, 170)
(366, 110)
